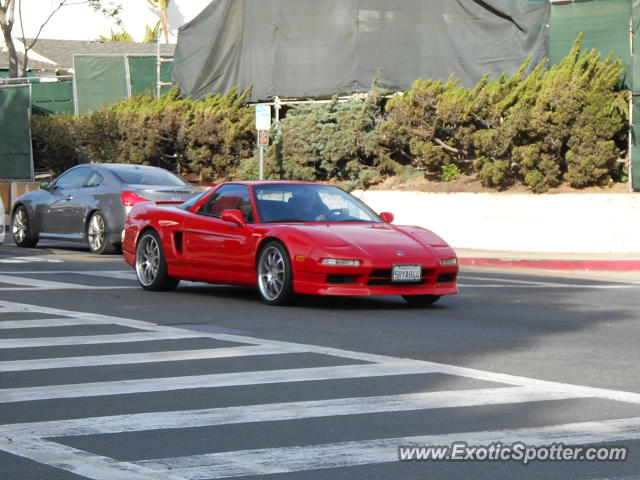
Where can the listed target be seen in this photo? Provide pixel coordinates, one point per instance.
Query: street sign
(263, 117)
(263, 138)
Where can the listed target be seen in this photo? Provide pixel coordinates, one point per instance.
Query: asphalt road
(101, 379)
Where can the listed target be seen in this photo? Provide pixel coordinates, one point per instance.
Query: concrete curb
(552, 264)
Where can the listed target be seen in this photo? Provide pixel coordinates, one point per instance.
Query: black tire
(275, 276)
(98, 234)
(421, 300)
(21, 228)
(151, 265)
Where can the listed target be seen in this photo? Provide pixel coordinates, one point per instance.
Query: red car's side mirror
(234, 216)
(387, 217)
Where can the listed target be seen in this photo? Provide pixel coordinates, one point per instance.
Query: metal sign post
(263, 125)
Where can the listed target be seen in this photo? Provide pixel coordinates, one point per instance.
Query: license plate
(406, 273)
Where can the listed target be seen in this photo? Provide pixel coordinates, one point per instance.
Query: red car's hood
(379, 240)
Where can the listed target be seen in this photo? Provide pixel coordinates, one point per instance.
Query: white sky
(80, 22)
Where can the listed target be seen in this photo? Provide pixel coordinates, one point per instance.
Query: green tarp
(52, 97)
(16, 160)
(143, 74)
(605, 24)
(102, 80)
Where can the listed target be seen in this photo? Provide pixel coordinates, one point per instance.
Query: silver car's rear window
(140, 175)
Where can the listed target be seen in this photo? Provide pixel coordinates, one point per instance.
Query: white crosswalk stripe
(37, 440)
(292, 459)
(26, 283)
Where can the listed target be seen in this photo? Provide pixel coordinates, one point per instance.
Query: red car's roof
(271, 182)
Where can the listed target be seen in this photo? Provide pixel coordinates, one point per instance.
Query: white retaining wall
(564, 223)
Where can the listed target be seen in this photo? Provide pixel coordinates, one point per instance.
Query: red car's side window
(229, 197)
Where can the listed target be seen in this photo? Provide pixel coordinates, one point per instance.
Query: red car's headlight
(448, 261)
(340, 262)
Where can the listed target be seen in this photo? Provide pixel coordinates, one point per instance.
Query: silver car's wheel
(96, 232)
(20, 228)
(151, 266)
(274, 274)
(98, 235)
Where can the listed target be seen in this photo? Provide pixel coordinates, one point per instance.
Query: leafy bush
(557, 124)
(537, 127)
(53, 143)
(449, 172)
(207, 138)
(331, 141)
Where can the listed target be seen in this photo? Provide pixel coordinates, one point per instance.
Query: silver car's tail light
(129, 198)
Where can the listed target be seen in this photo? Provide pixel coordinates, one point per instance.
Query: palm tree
(122, 36)
(161, 7)
(151, 34)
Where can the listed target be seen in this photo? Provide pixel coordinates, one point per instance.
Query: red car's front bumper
(374, 281)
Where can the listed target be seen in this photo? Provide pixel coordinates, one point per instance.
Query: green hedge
(567, 123)
(207, 138)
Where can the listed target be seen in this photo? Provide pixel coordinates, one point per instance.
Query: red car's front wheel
(275, 279)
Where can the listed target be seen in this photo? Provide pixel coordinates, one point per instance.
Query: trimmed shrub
(206, 138)
(334, 141)
(568, 123)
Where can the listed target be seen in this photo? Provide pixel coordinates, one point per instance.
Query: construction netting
(104, 79)
(54, 97)
(605, 24)
(316, 48)
(611, 27)
(16, 160)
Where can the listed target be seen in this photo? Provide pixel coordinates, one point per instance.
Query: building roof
(61, 52)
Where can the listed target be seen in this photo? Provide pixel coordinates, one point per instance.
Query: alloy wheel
(20, 226)
(271, 273)
(148, 260)
(96, 232)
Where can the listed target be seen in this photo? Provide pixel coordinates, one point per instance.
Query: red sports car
(286, 238)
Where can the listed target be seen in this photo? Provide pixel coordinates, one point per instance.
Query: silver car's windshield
(142, 175)
(309, 203)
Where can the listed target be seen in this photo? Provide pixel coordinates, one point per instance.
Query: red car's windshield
(309, 203)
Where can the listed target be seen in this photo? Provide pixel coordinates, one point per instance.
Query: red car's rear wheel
(151, 266)
(275, 279)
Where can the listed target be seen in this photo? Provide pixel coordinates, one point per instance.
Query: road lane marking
(410, 365)
(501, 282)
(12, 307)
(284, 411)
(93, 339)
(45, 323)
(26, 439)
(561, 286)
(25, 283)
(135, 358)
(165, 384)
(26, 259)
(348, 454)
(78, 461)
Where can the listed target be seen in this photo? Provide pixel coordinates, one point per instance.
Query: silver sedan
(89, 203)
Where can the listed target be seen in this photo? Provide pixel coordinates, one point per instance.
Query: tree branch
(445, 146)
